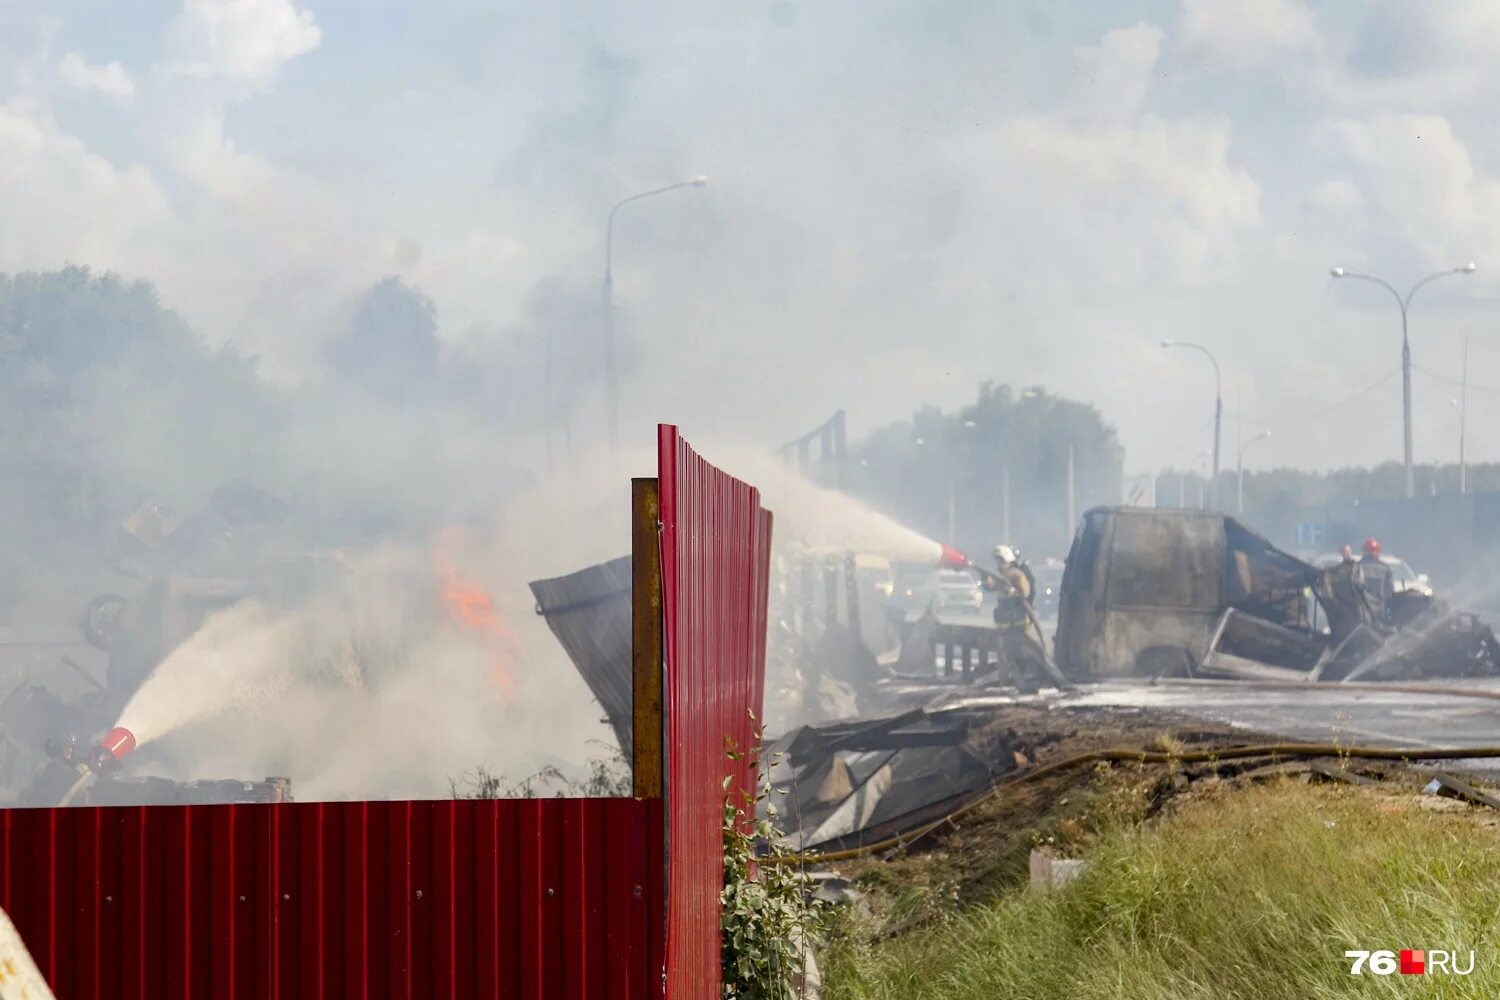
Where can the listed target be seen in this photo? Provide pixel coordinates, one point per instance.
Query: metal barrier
(534, 898)
(715, 559)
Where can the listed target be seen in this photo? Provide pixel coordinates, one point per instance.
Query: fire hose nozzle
(953, 557)
(116, 743)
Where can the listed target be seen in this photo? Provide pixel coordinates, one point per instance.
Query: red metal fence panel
(715, 564)
(533, 898)
(528, 898)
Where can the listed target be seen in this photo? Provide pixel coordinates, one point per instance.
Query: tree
(390, 347)
(911, 468)
(109, 398)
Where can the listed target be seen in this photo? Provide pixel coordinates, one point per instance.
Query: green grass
(1251, 893)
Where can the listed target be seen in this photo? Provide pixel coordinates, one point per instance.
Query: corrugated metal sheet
(715, 564)
(589, 613)
(529, 898)
(502, 898)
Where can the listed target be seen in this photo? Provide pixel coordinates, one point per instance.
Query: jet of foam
(821, 518)
(807, 515)
(241, 657)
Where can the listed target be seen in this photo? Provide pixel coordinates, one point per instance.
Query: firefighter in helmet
(1374, 574)
(1015, 588)
(1019, 644)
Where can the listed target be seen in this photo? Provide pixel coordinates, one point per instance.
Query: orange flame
(470, 606)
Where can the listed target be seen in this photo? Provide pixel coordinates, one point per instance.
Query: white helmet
(1005, 555)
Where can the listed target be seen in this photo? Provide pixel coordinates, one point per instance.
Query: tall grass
(1251, 894)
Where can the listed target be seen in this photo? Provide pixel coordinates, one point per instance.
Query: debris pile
(590, 614)
(848, 784)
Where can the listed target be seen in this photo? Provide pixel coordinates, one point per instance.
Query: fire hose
(1134, 756)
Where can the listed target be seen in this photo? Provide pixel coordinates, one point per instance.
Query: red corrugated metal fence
(716, 547)
(530, 898)
(459, 899)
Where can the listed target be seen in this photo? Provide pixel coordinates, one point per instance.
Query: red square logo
(1413, 963)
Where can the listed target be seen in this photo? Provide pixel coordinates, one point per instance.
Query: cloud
(1246, 33)
(242, 42)
(1159, 183)
(1113, 77)
(267, 222)
(111, 80)
(1423, 184)
(69, 204)
(1397, 56)
(1338, 197)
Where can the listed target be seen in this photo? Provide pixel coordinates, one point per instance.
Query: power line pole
(1072, 514)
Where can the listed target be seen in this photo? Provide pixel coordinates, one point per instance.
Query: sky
(906, 198)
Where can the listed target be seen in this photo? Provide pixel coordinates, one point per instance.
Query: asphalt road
(1316, 713)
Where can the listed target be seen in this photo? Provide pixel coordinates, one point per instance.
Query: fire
(470, 606)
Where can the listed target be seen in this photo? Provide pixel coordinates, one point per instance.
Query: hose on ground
(1053, 671)
(1134, 756)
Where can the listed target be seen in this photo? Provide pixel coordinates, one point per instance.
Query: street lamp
(611, 376)
(1463, 416)
(1405, 304)
(1213, 488)
(1239, 470)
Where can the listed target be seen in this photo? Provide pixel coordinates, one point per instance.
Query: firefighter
(1016, 580)
(1020, 646)
(1374, 575)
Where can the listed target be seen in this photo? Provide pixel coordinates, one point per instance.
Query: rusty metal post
(851, 593)
(830, 593)
(647, 762)
(807, 601)
(840, 452)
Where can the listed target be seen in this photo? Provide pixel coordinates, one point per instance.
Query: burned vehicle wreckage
(1159, 592)
(1146, 592)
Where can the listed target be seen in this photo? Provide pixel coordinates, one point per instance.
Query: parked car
(1049, 574)
(875, 573)
(1403, 578)
(913, 589)
(957, 591)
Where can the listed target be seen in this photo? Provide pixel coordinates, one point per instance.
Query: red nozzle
(119, 741)
(953, 557)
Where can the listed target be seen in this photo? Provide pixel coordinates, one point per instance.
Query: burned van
(1145, 588)
(1151, 591)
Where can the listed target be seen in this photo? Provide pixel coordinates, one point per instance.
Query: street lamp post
(1213, 488)
(1463, 419)
(1405, 304)
(611, 376)
(1239, 471)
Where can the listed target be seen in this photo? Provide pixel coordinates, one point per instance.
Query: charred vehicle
(1151, 591)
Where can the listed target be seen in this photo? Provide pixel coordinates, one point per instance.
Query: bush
(770, 918)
